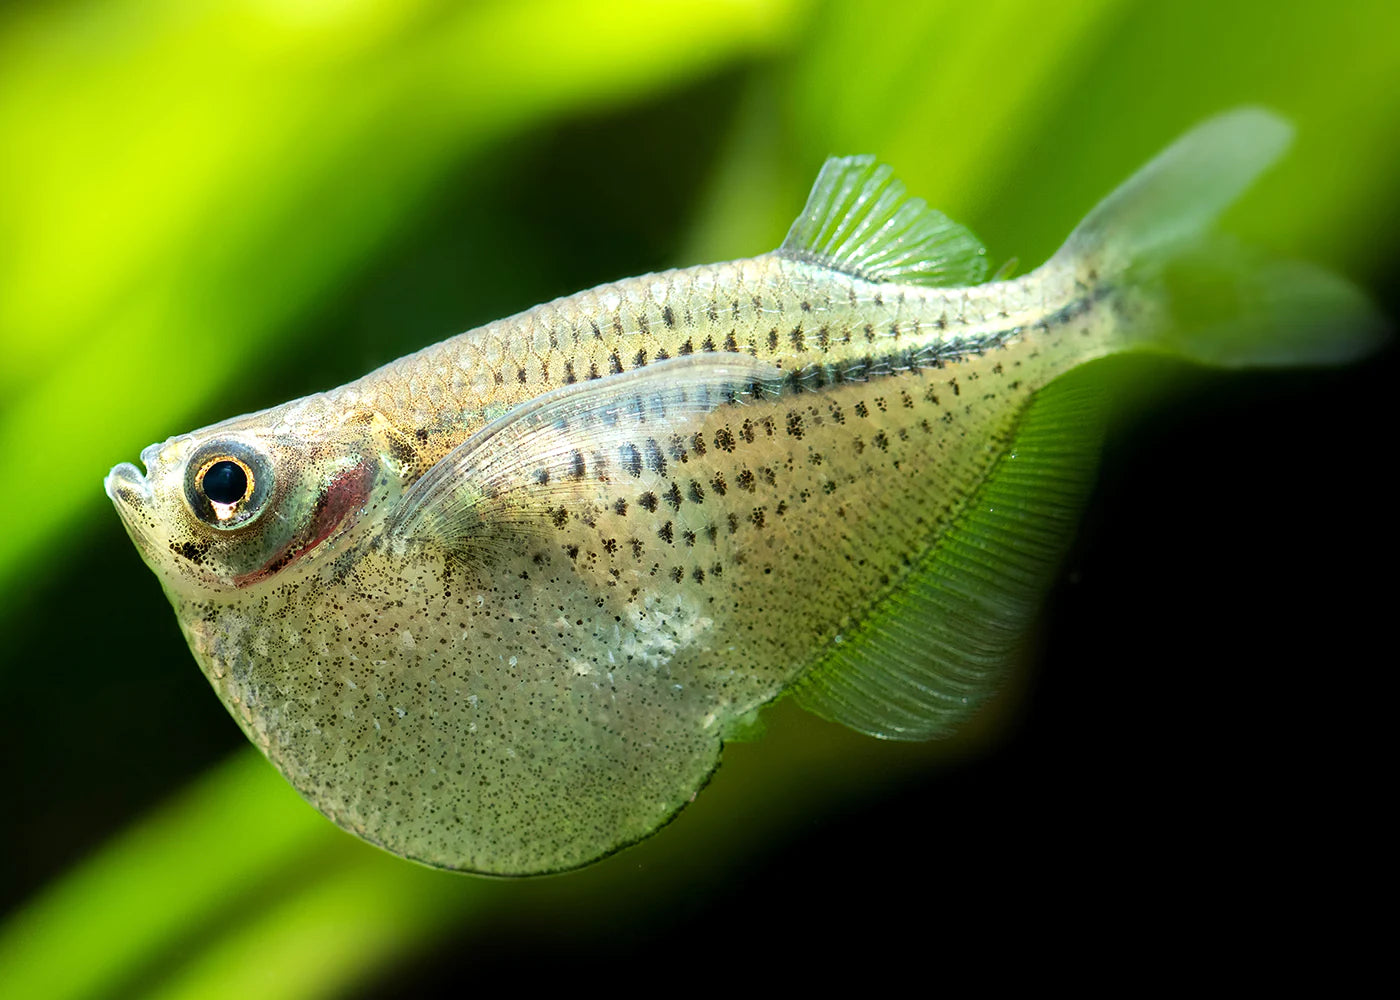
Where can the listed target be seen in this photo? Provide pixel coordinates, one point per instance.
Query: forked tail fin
(1185, 291)
(925, 656)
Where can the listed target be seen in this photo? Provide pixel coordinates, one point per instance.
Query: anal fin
(927, 655)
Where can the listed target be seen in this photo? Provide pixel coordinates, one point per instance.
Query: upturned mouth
(126, 486)
(131, 495)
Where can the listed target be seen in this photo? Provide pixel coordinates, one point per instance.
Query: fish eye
(228, 484)
(226, 481)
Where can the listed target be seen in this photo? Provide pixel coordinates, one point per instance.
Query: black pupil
(225, 482)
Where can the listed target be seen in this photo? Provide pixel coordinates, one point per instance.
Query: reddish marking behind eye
(345, 495)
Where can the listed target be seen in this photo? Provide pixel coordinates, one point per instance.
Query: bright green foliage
(185, 188)
(181, 185)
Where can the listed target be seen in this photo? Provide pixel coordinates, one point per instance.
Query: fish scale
(857, 329)
(497, 606)
(684, 629)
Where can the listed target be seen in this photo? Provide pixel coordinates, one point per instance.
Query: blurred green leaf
(233, 833)
(180, 182)
(942, 91)
(1159, 69)
(188, 181)
(239, 866)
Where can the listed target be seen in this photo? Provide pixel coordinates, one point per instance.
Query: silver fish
(497, 606)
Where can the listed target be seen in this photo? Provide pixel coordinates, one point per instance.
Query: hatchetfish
(497, 605)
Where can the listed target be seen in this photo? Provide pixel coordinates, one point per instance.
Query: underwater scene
(634, 630)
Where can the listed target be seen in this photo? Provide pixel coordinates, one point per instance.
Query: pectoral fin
(563, 448)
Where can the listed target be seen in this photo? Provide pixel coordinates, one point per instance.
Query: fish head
(239, 503)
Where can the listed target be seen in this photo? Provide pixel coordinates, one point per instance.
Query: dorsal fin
(926, 656)
(860, 220)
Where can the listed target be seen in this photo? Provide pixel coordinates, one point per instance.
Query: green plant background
(210, 208)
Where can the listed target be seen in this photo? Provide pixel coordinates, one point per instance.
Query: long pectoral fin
(928, 654)
(546, 457)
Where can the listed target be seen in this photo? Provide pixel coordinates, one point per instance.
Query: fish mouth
(130, 493)
(126, 485)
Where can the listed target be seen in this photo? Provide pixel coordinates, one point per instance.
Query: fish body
(497, 605)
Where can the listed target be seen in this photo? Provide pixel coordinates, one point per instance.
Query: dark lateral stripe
(818, 375)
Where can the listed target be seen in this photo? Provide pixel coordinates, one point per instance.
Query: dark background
(1193, 752)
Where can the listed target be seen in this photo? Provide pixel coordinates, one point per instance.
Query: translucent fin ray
(859, 220)
(929, 654)
(1225, 306)
(1180, 193)
(1183, 290)
(565, 446)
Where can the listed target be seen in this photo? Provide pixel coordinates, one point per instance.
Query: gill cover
(230, 507)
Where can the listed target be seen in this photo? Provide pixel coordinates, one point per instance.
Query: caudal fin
(1186, 291)
(922, 659)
